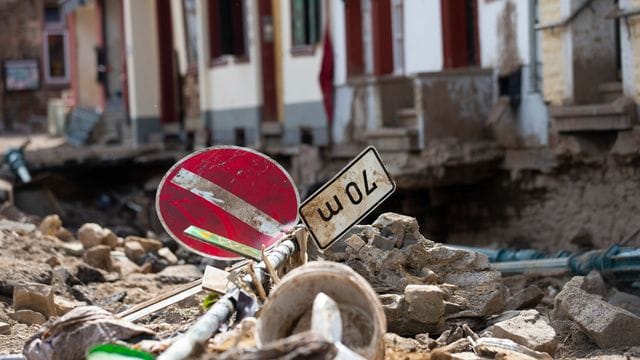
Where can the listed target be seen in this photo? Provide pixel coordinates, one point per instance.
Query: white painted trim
(629, 86)
(565, 10)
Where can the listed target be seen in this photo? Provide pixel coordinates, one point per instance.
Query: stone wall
(21, 38)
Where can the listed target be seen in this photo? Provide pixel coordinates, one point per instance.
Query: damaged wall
(594, 50)
(574, 206)
(454, 103)
(508, 43)
(20, 39)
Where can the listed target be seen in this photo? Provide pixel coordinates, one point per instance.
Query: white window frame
(57, 80)
(397, 26)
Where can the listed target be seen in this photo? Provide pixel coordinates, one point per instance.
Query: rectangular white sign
(347, 198)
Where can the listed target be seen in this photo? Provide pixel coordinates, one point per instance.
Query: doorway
(269, 92)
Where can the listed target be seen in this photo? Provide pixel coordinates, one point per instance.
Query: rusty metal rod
(221, 311)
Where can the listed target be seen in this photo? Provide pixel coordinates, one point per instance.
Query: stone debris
(15, 271)
(28, 317)
(460, 280)
(36, 297)
(439, 302)
(424, 303)
(626, 301)
(134, 251)
(528, 328)
(4, 328)
(99, 256)
(50, 225)
(20, 228)
(179, 274)
(607, 325)
(506, 349)
(168, 255)
(149, 245)
(92, 234)
(74, 248)
(526, 298)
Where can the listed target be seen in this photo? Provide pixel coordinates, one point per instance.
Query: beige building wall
(179, 36)
(143, 72)
(554, 70)
(300, 71)
(90, 94)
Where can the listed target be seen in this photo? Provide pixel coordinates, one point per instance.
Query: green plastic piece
(116, 352)
(223, 242)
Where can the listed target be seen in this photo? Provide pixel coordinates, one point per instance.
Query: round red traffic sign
(230, 191)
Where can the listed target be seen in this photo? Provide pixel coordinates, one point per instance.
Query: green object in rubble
(223, 242)
(116, 352)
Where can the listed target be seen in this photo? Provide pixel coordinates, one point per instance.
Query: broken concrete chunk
(528, 328)
(21, 228)
(50, 225)
(526, 298)
(64, 234)
(395, 227)
(134, 251)
(383, 243)
(28, 317)
(168, 255)
(99, 257)
(594, 284)
(5, 328)
(424, 303)
(605, 324)
(91, 235)
(506, 349)
(111, 240)
(392, 304)
(179, 274)
(626, 301)
(74, 248)
(124, 265)
(36, 297)
(63, 305)
(355, 243)
(148, 245)
(401, 343)
(88, 274)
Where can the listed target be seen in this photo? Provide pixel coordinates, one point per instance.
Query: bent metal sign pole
(347, 198)
(352, 194)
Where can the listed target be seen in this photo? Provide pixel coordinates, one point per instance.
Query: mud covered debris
(438, 302)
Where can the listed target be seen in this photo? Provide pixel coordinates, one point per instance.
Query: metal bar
(131, 314)
(163, 303)
(222, 310)
(532, 265)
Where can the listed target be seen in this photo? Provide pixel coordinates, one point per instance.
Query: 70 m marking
(349, 189)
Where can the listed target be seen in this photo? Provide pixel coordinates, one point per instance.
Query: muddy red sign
(231, 191)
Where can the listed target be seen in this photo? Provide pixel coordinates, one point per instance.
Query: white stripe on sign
(229, 202)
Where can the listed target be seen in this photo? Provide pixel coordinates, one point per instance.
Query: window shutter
(313, 8)
(214, 29)
(298, 22)
(237, 28)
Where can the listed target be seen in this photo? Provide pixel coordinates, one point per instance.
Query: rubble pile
(46, 271)
(425, 286)
(439, 302)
